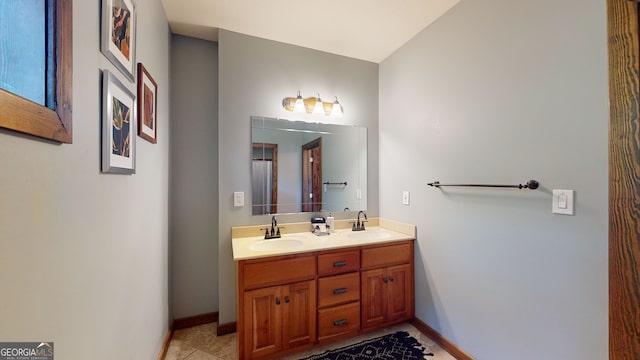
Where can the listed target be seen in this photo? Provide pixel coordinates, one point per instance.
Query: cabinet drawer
(338, 289)
(274, 272)
(338, 320)
(387, 255)
(338, 263)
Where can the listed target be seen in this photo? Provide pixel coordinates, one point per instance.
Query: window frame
(22, 115)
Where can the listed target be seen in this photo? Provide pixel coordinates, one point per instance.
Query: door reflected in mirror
(264, 170)
(307, 167)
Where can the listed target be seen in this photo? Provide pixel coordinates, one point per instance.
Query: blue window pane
(23, 48)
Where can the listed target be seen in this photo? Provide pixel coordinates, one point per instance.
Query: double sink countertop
(249, 243)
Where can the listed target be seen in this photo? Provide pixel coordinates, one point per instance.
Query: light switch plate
(238, 198)
(562, 202)
(405, 198)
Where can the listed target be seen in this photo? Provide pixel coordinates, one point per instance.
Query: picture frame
(147, 105)
(118, 126)
(118, 35)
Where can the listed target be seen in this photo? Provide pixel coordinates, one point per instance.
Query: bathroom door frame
(312, 175)
(624, 186)
(274, 171)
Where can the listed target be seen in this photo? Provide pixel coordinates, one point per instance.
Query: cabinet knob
(385, 280)
(286, 299)
(391, 279)
(277, 301)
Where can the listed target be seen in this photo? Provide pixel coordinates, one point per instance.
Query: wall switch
(562, 202)
(405, 198)
(238, 198)
(359, 194)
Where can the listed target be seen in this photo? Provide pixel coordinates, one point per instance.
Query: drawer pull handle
(339, 263)
(341, 322)
(339, 291)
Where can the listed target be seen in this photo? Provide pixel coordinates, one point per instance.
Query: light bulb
(318, 108)
(336, 110)
(299, 105)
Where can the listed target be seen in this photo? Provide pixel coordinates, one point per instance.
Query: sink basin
(275, 244)
(369, 235)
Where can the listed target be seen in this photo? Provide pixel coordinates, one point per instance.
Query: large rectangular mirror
(307, 167)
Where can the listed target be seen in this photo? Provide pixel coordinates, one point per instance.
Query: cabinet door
(262, 321)
(400, 294)
(298, 314)
(374, 297)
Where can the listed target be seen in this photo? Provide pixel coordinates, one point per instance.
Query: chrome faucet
(274, 231)
(359, 225)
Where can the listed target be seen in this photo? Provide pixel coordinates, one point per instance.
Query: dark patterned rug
(389, 347)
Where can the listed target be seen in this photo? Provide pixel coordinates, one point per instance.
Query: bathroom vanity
(301, 290)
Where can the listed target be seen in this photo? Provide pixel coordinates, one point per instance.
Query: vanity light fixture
(312, 105)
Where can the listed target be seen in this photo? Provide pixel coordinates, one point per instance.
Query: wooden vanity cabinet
(295, 301)
(387, 284)
(278, 309)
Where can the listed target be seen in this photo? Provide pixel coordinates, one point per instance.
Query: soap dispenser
(330, 223)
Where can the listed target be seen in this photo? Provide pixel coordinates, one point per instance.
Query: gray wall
(255, 75)
(500, 91)
(84, 255)
(194, 176)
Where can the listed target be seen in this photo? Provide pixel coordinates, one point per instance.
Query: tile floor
(201, 343)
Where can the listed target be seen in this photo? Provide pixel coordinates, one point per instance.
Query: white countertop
(300, 242)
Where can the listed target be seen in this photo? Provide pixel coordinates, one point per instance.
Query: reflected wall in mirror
(307, 167)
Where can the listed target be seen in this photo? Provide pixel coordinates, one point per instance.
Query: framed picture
(147, 105)
(118, 126)
(118, 35)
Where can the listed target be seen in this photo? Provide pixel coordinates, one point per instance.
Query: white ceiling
(363, 29)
